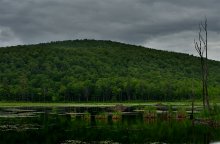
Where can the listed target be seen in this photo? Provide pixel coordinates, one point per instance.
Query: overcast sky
(161, 24)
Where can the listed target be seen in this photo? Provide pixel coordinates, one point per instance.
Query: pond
(70, 125)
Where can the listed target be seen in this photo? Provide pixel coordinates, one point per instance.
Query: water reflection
(83, 124)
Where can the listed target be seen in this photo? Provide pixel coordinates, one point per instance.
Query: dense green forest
(90, 70)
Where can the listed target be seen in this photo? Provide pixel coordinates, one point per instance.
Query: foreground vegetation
(61, 129)
(89, 70)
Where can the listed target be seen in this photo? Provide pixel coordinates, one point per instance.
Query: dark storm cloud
(163, 24)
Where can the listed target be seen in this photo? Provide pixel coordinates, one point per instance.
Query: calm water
(98, 125)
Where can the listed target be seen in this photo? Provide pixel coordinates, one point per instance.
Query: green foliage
(89, 70)
(181, 112)
(204, 114)
(213, 114)
(215, 109)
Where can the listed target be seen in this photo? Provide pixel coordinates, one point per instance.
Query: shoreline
(92, 104)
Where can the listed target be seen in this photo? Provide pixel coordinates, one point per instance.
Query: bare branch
(202, 39)
(198, 49)
(203, 25)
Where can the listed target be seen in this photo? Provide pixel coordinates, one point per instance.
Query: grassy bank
(89, 104)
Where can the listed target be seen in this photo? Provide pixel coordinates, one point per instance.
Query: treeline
(89, 70)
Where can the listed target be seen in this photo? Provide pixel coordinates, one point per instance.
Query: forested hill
(89, 70)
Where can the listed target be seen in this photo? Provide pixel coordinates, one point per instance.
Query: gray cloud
(170, 25)
(7, 37)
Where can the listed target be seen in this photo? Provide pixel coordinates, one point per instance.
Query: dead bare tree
(201, 47)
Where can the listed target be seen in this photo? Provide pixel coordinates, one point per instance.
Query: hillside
(89, 70)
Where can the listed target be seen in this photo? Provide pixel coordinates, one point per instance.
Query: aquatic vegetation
(117, 115)
(87, 115)
(214, 113)
(102, 115)
(150, 112)
(215, 110)
(170, 113)
(181, 113)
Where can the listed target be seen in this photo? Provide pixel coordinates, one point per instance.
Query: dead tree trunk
(203, 81)
(206, 63)
(202, 46)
